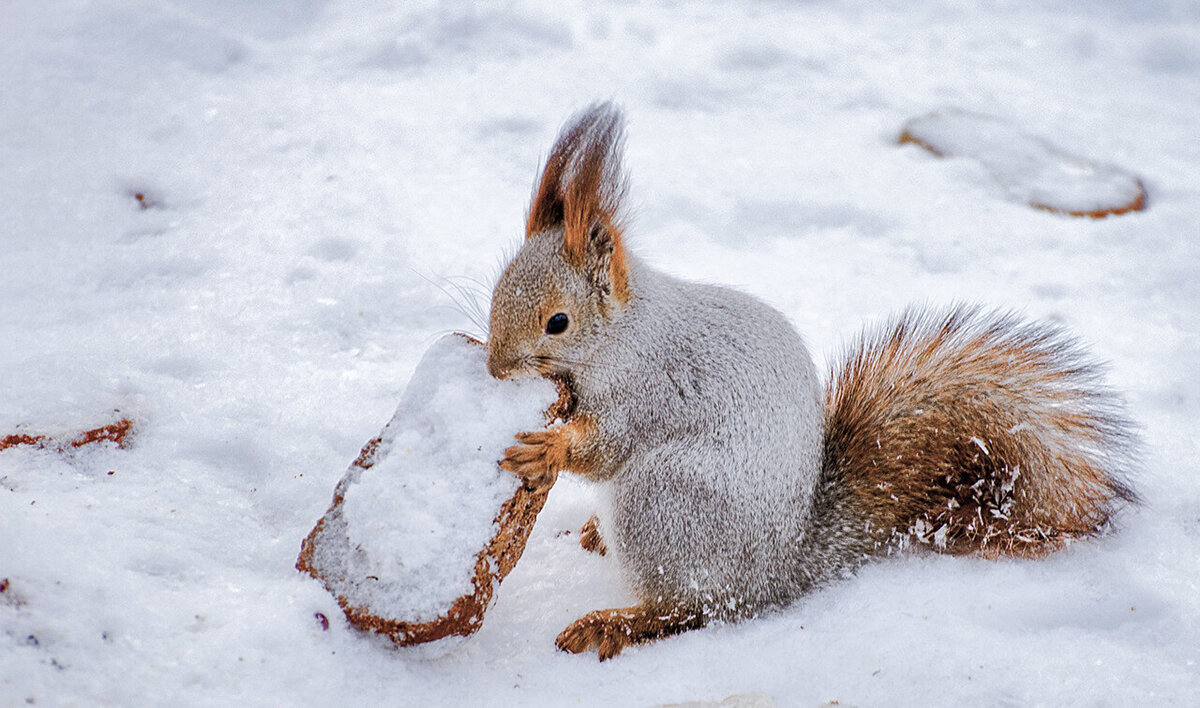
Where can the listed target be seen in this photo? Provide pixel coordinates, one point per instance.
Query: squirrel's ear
(581, 191)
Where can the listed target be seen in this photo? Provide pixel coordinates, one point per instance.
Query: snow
(1027, 168)
(412, 524)
(314, 173)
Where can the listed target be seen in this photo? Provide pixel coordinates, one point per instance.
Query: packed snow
(240, 226)
(412, 524)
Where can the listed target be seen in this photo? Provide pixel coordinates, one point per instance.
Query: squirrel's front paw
(537, 458)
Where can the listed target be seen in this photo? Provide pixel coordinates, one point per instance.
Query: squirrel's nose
(498, 366)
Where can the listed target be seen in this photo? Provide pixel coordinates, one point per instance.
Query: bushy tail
(973, 431)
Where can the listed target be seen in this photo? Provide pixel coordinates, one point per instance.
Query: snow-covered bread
(1028, 168)
(424, 524)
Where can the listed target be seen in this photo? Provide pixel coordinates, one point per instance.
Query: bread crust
(514, 522)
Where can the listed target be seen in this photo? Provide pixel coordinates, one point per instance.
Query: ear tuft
(582, 190)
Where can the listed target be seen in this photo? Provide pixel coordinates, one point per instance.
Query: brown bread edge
(514, 522)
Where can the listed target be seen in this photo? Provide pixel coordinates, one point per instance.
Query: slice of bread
(1027, 168)
(424, 525)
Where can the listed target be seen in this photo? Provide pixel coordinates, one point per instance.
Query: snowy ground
(313, 173)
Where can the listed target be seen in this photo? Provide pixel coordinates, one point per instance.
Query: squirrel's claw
(536, 459)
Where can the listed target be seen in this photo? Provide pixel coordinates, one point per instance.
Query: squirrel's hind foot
(610, 631)
(589, 537)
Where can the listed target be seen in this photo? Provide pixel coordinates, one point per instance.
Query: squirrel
(736, 481)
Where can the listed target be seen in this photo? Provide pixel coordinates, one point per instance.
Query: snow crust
(319, 171)
(418, 517)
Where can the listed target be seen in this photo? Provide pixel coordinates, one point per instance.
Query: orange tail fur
(974, 432)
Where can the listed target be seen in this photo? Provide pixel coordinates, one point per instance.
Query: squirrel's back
(969, 431)
(722, 453)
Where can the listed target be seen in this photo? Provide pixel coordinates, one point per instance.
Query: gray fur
(708, 506)
(710, 417)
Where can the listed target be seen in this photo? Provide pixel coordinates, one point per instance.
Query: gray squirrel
(737, 482)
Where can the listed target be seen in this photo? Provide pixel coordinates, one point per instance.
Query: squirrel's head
(570, 277)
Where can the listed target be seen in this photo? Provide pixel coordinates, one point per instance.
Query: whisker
(472, 300)
(482, 288)
(578, 364)
(465, 302)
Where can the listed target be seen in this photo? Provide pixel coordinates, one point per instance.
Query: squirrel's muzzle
(499, 365)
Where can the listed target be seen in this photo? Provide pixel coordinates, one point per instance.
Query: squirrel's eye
(557, 324)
